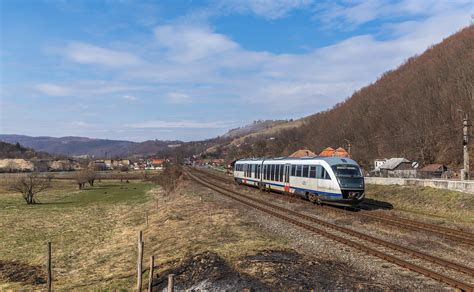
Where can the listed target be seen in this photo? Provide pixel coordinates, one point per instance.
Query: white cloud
(129, 97)
(179, 124)
(186, 43)
(95, 88)
(52, 89)
(351, 14)
(178, 98)
(82, 124)
(89, 54)
(270, 9)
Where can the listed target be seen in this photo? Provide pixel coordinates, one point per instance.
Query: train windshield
(344, 170)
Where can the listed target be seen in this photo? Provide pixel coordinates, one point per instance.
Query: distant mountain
(79, 146)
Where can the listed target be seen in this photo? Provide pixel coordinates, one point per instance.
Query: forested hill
(8, 150)
(411, 112)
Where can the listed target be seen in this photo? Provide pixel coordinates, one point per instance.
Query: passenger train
(319, 179)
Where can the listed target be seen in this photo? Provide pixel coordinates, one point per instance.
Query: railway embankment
(452, 185)
(439, 204)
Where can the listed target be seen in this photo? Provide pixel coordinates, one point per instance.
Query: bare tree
(81, 178)
(91, 176)
(49, 176)
(29, 186)
(169, 178)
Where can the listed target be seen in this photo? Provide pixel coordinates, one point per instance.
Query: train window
(282, 167)
(277, 172)
(324, 174)
(293, 170)
(298, 170)
(305, 170)
(268, 172)
(312, 171)
(272, 172)
(319, 170)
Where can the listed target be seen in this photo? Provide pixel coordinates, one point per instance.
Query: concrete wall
(453, 185)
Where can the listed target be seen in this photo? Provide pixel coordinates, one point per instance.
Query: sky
(191, 70)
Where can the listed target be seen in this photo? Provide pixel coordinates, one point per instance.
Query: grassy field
(439, 203)
(90, 233)
(93, 233)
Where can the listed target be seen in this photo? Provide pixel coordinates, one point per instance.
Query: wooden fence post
(49, 268)
(150, 276)
(170, 283)
(140, 261)
(146, 219)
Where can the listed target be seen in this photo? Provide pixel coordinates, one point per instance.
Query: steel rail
(456, 235)
(376, 240)
(440, 277)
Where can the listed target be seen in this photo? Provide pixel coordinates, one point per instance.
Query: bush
(168, 179)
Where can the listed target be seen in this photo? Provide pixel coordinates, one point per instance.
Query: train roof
(331, 160)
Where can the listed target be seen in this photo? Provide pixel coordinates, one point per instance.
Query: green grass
(82, 226)
(66, 195)
(107, 193)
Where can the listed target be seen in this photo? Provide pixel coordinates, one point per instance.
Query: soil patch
(265, 270)
(14, 271)
(289, 270)
(207, 271)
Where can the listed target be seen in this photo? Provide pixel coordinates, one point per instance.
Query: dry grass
(451, 205)
(191, 221)
(89, 230)
(93, 232)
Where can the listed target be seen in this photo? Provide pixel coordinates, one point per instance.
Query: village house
(157, 163)
(398, 167)
(434, 170)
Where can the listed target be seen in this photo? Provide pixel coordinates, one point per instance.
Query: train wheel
(313, 198)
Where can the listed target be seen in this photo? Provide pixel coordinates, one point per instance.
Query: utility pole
(465, 140)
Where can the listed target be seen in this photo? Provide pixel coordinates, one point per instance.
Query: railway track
(299, 219)
(452, 234)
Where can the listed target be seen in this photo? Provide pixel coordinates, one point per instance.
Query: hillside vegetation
(411, 112)
(8, 150)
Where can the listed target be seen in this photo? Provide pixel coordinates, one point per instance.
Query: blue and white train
(319, 179)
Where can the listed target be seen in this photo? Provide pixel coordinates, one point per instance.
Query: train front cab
(351, 183)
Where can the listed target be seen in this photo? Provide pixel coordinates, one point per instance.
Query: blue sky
(140, 70)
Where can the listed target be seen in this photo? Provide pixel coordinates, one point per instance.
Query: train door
(286, 178)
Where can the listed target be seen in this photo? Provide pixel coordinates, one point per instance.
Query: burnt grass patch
(266, 270)
(14, 271)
